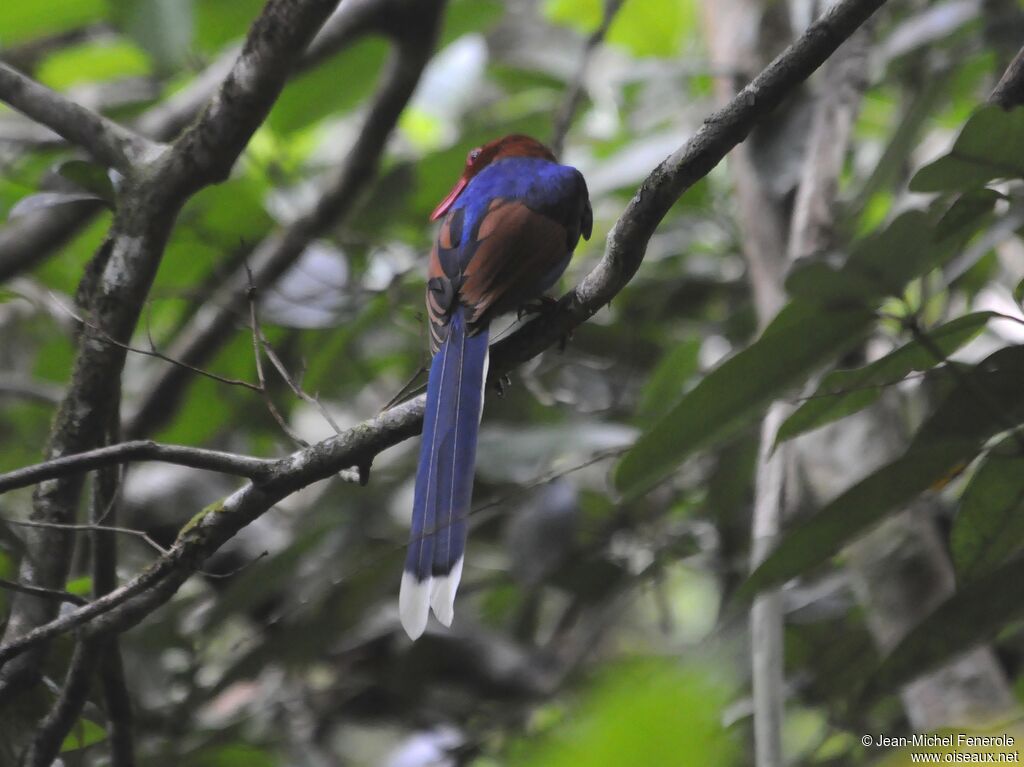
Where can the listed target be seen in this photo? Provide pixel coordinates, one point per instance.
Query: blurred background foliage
(598, 622)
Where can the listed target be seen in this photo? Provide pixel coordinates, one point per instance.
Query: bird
(508, 229)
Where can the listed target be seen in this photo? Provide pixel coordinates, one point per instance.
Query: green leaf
(823, 284)
(985, 401)
(162, 28)
(90, 177)
(652, 29)
(969, 210)
(83, 733)
(989, 147)
(333, 87)
(812, 542)
(665, 386)
(641, 27)
(63, 272)
(582, 15)
(843, 392)
(218, 22)
(464, 16)
(975, 613)
(232, 755)
(904, 250)
(989, 526)
(92, 62)
(879, 265)
(633, 716)
(81, 586)
(22, 20)
(799, 339)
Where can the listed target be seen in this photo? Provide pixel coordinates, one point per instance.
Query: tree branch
(104, 509)
(206, 152)
(49, 736)
(30, 238)
(574, 93)
(117, 281)
(138, 450)
(723, 130)
(109, 143)
(212, 327)
(38, 591)
(627, 243)
(1009, 93)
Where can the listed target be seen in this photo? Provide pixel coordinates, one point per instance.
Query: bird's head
(514, 145)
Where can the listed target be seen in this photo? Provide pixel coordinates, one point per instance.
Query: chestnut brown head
(513, 145)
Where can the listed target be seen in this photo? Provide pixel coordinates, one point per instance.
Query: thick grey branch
(217, 320)
(1009, 93)
(352, 20)
(627, 243)
(109, 143)
(30, 238)
(207, 151)
(138, 450)
(117, 282)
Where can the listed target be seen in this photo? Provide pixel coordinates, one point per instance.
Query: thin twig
(31, 238)
(627, 243)
(138, 450)
(86, 529)
(39, 591)
(407, 390)
(475, 513)
(116, 284)
(263, 343)
(297, 390)
(152, 351)
(254, 325)
(416, 25)
(574, 93)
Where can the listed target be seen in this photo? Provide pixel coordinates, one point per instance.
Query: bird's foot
(545, 306)
(501, 384)
(542, 305)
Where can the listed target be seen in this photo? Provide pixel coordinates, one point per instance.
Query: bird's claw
(541, 305)
(502, 383)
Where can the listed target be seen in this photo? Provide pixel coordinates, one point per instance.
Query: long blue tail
(444, 479)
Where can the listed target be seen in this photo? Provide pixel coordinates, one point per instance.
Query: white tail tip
(442, 593)
(414, 598)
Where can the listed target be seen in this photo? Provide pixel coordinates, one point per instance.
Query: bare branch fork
(117, 281)
(626, 245)
(415, 28)
(32, 238)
